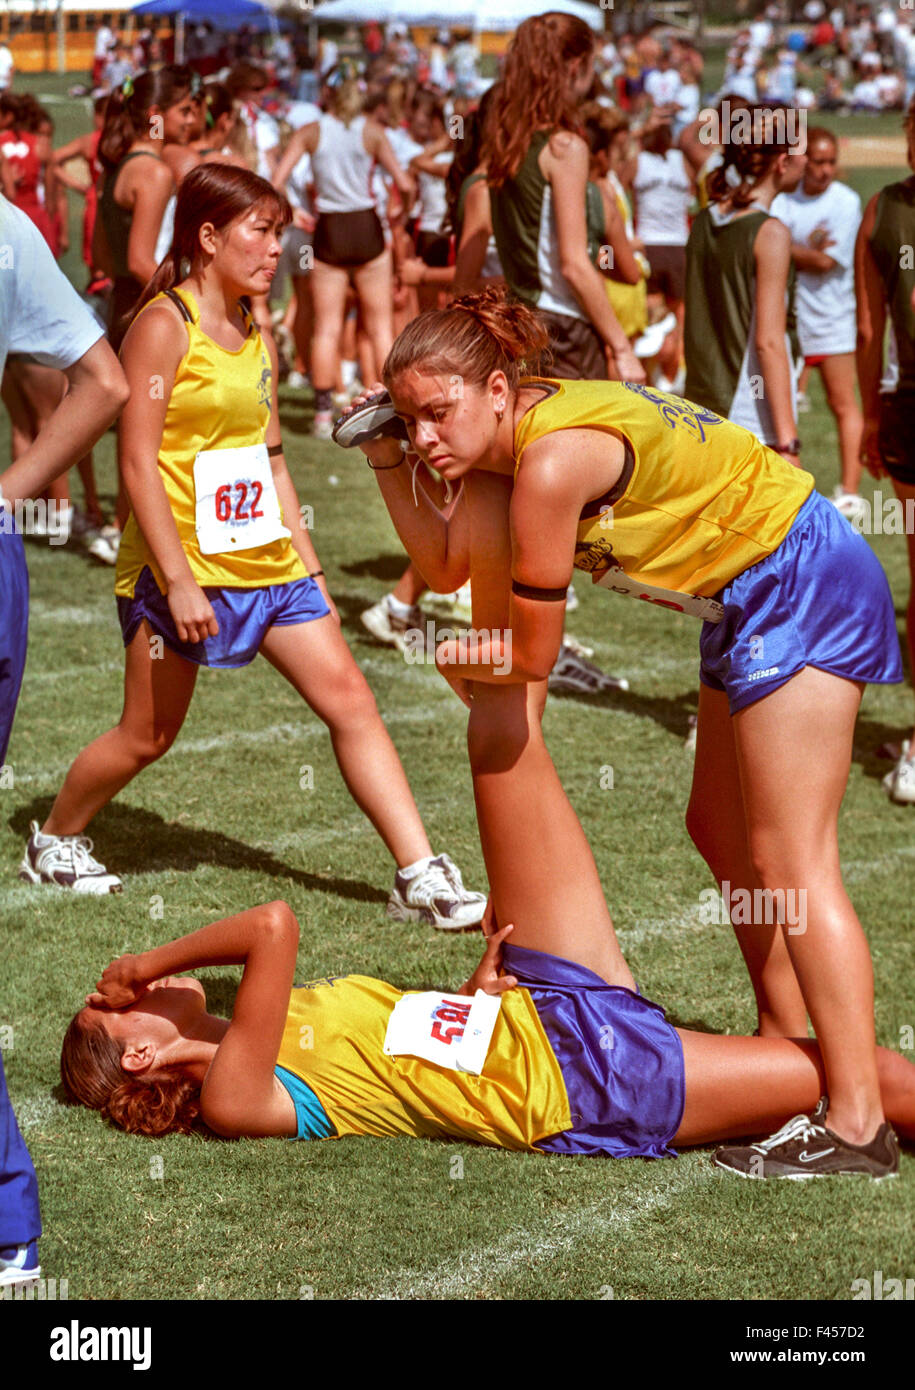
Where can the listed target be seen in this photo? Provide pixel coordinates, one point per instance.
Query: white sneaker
(105, 546)
(391, 629)
(323, 424)
(436, 894)
(572, 672)
(81, 528)
(19, 1265)
(899, 784)
(297, 380)
(577, 647)
(803, 404)
(850, 504)
(65, 860)
(572, 601)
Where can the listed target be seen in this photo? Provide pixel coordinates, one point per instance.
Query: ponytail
(475, 336)
(128, 107)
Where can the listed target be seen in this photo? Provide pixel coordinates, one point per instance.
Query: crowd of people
(625, 301)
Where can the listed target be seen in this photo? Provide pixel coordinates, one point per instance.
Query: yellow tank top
(628, 302)
(334, 1041)
(700, 501)
(220, 400)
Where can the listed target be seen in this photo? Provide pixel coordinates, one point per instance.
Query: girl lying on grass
(560, 1054)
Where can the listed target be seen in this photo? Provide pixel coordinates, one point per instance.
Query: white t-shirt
(41, 315)
(663, 87)
(433, 196)
(825, 302)
(663, 195)
(104, 39)
(6, 67)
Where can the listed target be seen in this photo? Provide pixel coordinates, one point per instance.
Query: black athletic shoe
(805, 1148)
(375, 419)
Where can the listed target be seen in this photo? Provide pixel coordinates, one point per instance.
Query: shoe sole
(799, 1177)
(383, 635)
(29, 875)
(375, 420)
(400, 912)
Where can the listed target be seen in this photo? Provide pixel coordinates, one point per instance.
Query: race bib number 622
(236, 503)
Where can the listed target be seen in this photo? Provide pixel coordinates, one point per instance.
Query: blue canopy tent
(222, 14)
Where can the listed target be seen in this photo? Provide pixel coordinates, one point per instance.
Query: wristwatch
(792, 447)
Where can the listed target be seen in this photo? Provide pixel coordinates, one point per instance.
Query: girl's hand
(486, 976)
(303, 220)
(870, 448)
(122, 983)
(384, 452)
(462, 687)
(412, 271)
(192, 612)
(626, 365)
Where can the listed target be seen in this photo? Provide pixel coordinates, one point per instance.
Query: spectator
(823, 217)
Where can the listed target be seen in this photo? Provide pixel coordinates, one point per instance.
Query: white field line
(286, 733)
(40, 612)
(37, 1109)
(70, 673)
(470, 1269)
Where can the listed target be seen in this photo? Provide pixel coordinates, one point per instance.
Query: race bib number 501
(450, 1030)
(236, 503)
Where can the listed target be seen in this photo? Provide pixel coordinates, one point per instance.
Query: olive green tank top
(894, 232)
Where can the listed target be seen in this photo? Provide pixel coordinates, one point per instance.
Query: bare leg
(716, 822)
(794, 753)
(157, 693)
(329, 286)
(541, 870)
(316, 661)
(374, 283)
(839, 378)
(738, 1086)
(303, 323)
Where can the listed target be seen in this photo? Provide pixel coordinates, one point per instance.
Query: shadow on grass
(140, 842)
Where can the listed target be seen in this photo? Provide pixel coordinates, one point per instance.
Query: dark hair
(819, 132)
(533, 93)
(476, 335)
(216, 193)
(168, 1102)
(243, 77)
(217, 101)
(747, 162)
(658, 138)
(466, 157)
(127, 113)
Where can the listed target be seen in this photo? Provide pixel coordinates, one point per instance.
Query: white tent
(492, 16)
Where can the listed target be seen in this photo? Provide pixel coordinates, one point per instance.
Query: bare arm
(438, 545)
(238, 1095)
(377, 144)
(567, 170)
(870, 298)
(304, 141)
(151, 189)
(96, 396)
(772, 252)
(623, 265)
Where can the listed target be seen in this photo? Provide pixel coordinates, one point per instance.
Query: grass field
(222, 823)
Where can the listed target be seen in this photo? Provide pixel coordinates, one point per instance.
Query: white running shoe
(851, 505)
(435, 893)
(577, 647)
(297, 381)
(803, 404)
(19, 1265)
(323, 424)
(391, 629)
(571, 599)
(572, 672)
(105, 546)
(899, 784)
(65, 860)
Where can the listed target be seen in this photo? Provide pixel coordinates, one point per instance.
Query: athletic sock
(397, 608)
(411, 870)
(323, 402)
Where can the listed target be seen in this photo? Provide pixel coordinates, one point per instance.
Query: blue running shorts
(14, 624)
(244, 617)
(621, 1061)
(820, 599)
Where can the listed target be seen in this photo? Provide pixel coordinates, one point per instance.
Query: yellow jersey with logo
(700, 499)
(334, 1042)
(220, 399)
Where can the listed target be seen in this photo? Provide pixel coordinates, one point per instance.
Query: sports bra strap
(180, 305)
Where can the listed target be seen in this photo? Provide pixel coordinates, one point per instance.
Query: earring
(499, 414)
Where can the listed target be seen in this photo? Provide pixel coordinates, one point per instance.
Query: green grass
(221, 823)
